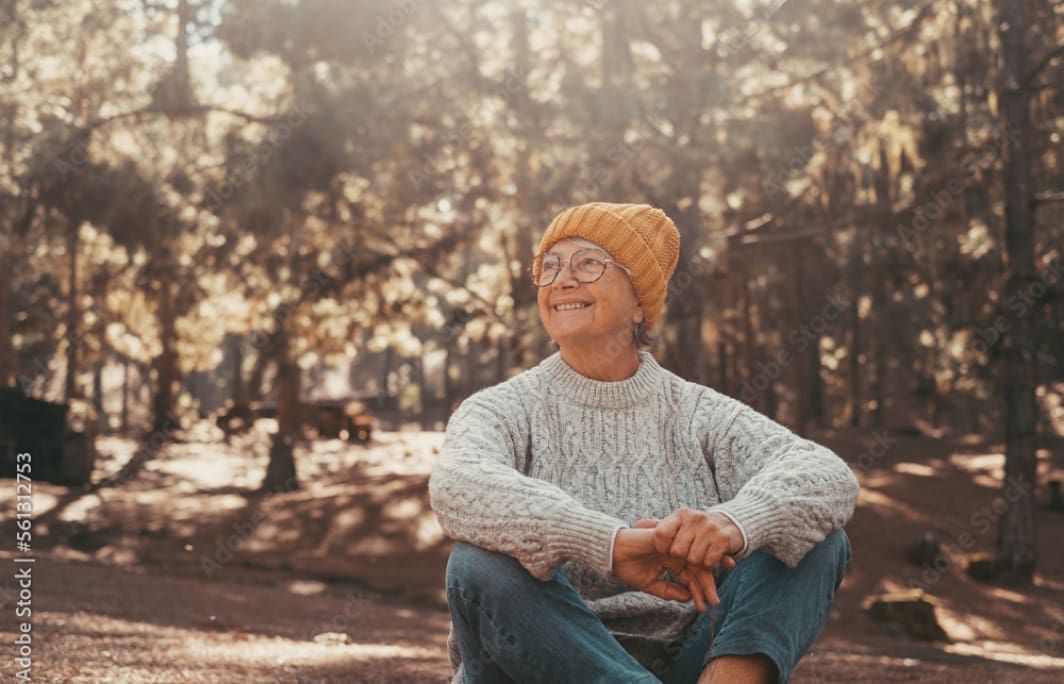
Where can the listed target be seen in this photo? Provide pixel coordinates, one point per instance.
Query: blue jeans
(511, 627)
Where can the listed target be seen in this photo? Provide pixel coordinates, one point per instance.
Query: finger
(700, 546)
(728, 562)
(668, 590)
(715, 554)
(665, 532)
(695, 586)
(709, 588)
(647, 523)
(706, 581)
(681, 543)
(689, 576)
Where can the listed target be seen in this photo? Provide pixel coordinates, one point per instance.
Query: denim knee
(834, 552)
(779, 611)
(473, 570)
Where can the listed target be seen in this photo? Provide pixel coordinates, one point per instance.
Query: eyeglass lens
(586, 265)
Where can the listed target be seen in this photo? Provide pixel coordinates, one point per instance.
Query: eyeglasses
(586, 265)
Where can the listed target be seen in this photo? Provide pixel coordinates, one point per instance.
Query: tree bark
(723, 381)
(125, 395)
(73, 312)
(97, 395)
(856, 343)
(502, 360)
(743, 274)
(1016, 536)
(166, 363)
(817, 414)
(281, 473)
(801, 387)
(527, 201)
(8, 368)
(237, 390)
(879, 369)
(450, 389)
(687, 353)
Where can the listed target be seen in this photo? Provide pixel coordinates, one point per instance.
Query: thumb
(646, 523)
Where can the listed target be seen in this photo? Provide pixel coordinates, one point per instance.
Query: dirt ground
(180, 572)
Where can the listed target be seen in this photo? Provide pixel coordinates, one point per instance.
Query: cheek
(633, 308)
(541, 301)
(615, 303)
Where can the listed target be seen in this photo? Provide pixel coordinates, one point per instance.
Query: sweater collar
(563, 380)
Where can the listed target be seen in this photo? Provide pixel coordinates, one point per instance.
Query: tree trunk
(125, 395)
(722, 293)
(736, 372)
(237, 391)
(253, 388)
(97, 395)
(386, 373)
(857, 343)
(502, 360)
(748, 325)
(73, 313)
(817, 414)
(723, 381)
(686, 355)
(450, 390)
(8, 368)
(424, 397)
(472, 367)
(526, 200)
(880, 370)
(801, 386)
(166, 363)
(768, 395)
(1016, 534)
(281, 471)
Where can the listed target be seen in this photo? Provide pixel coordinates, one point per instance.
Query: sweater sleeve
(787, 493)
(480, 497)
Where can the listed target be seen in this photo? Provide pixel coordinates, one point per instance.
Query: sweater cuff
(746, 542)
(587, 538)
(613, 542)
(757, 513)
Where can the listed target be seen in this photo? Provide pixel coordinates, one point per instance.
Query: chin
(573, 339)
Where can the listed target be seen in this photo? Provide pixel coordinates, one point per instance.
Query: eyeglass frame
(608, 260)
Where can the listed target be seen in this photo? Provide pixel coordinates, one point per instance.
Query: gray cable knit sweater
(601, 455)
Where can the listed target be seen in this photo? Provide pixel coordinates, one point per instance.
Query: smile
(573, 306)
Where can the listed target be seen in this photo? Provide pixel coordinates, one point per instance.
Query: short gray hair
(642, 337)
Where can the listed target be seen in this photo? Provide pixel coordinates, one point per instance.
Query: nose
(565, 277)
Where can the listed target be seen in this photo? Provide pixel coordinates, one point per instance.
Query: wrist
(628, 542)
(736, 536)
(613, 544)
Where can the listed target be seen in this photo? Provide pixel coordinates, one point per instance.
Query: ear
(637, 314)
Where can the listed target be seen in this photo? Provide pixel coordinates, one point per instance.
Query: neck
(597, 364)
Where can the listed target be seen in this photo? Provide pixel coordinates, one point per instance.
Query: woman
(597, 498)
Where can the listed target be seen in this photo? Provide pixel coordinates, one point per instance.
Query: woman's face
(607, 307)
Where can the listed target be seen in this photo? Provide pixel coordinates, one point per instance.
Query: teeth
(570, 307)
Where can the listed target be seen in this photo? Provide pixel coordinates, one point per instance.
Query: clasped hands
(688, 543)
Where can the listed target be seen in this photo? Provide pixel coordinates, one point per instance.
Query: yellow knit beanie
(641, 238)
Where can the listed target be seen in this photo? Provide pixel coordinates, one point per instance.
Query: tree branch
(419, 256)
(1042, 64)
(149, 111)
(1049, 197)
(906, 31)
